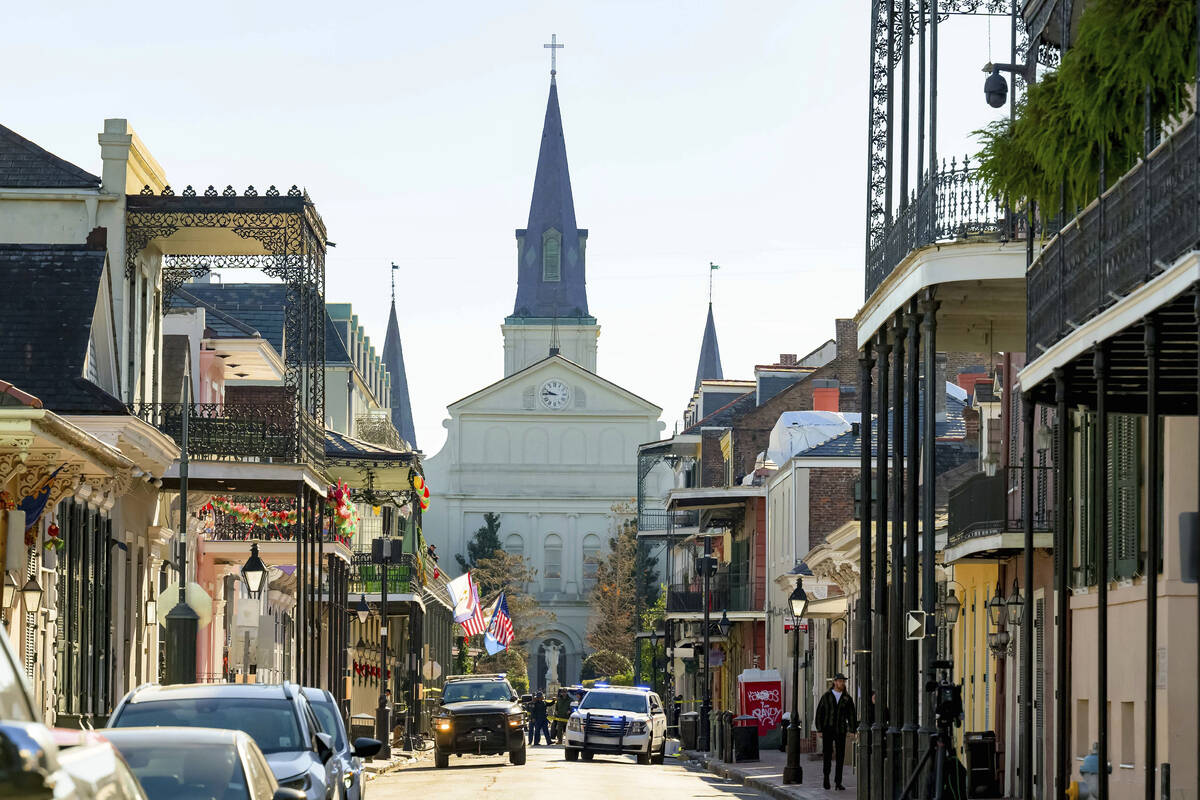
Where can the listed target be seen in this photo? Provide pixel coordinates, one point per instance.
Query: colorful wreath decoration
(342, 510)
(260, 516)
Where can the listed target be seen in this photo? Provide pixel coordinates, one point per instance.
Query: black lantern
(10, 590)
(798, 601)
(951, 607)
(362, 609)
(254, 571)
(1016, 606)
(995, 608)
(724, 625)
(31, 592)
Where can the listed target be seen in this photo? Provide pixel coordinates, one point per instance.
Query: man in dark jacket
(539, 723)
(836, 716)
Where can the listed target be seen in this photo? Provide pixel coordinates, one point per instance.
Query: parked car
(99, 771)
(349, 768)
(186, 763)
(276, 716)
(29, 758)
(618, 720)
(479, 714)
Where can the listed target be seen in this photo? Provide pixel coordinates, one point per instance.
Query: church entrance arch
(554, 660)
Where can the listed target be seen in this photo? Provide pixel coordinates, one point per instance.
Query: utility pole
(182, 621)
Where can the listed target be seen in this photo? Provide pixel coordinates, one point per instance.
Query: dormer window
(551, 255)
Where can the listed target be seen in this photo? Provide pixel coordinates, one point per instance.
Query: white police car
(618, 719)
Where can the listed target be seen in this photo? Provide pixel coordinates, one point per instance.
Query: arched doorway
(550, 662)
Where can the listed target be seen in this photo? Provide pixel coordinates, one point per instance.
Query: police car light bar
(644, 688)
(599, 685)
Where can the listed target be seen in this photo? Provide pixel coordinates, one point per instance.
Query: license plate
(481, 737)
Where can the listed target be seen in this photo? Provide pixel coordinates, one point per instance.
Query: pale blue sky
(696, 132)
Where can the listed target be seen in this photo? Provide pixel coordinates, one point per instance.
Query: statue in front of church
(552, 652)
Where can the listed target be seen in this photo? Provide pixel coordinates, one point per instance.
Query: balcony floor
(995, 547)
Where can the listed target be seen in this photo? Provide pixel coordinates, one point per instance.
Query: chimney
(787, 359)
(854, 428)
(826, 395)
(97, 239)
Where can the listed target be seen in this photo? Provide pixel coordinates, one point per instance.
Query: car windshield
(616, 701)
(460, 691)
(173, 770)
(270, 722)
(327, 715)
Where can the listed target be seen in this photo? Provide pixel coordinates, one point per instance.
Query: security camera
(995, 89)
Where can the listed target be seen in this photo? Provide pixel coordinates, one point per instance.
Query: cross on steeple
(554, 47)
(395, 267)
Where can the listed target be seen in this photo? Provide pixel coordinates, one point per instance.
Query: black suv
(480, 714)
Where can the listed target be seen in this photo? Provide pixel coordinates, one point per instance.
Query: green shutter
(1124, 512)
(1086, 557)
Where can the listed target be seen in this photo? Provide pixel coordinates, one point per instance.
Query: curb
(722, 770)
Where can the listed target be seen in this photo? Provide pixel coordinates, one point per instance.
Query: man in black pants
(836, 716)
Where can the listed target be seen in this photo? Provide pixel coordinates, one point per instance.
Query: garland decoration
(342, 510)
(255, 516)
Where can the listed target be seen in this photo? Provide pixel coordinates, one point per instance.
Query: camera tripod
(940, 745)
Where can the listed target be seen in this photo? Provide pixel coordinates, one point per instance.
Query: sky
(709, 131)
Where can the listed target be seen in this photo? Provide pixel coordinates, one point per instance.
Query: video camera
(947, 697)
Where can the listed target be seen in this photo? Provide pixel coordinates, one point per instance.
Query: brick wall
(830, 501)
(712, 463)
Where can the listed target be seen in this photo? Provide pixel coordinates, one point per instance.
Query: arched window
(551, 255)
(552, 564)
(514, 545)
(591, 560)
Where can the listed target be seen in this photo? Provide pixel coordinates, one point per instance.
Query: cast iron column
(900, 682)
(866, 719)
(1100, 367)
(706, 702)
(912, 461)
(383, 727)
(1153, 552)
(934, 388)
(182, 621)
(302, 512)
(1025, 699)
(1062, 545)
(882, 653)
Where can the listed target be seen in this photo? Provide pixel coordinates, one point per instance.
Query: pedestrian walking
(539, 724)
(836, 717)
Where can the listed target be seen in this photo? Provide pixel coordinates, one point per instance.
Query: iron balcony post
(1026, 690)
(1062, 544)
(912, 458)
(866, 725)
(706, 704)
(882, 653)
(1100, 521)
(899, 681)
(933, 386)
(1153, 546)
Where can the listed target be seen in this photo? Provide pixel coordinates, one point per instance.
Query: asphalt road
(548, 776)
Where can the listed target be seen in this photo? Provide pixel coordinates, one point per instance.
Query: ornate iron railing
(366, 576)
(984, 505)
(727, 592)
(657, 520)
(1147, 219)
(239, 432)
(952, 206)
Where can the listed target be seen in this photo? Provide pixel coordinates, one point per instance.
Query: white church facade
(551, 447)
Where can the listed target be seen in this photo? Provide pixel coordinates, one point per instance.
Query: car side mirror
(515, 699)
(367, 748)
(324, 746)
(283, 793)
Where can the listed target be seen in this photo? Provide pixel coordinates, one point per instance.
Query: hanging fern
(1095, 98)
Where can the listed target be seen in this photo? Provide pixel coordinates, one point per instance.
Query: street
(548, 775)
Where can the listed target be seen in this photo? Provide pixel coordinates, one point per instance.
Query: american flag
(501, 627)
(474, 624)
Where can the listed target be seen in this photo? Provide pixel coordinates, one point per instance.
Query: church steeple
(709, 367)
(393, 359)
(551, 249)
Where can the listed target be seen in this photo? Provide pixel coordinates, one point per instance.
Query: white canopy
(797, 431)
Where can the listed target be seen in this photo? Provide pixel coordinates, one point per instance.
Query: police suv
(618, 720)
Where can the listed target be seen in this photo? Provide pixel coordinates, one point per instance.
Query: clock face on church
(555, 394)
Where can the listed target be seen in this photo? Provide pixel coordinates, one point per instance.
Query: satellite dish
(197, 599)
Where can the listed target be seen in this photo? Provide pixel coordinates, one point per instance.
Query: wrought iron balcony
(658, 521)
(366, 576)
(727, 592)
(239, 432)
(1147, 218)
(950, 207)
(246, 534)
(985, 505)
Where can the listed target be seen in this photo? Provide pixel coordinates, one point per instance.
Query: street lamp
(724, 625)
(362, 610)
(951, 607)
(31, 592)
(995, 607)
(254, 571)
(1016, 606)
(10, 591)
(793, 772)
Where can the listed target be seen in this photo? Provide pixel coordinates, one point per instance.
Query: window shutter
(1125, 494)
(1085, 565)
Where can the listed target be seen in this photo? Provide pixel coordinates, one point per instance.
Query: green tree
(605, 663)
(462, 659)
(653, 653)
(483, 544)
(508, 573)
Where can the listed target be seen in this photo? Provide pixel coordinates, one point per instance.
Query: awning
(371, 468)
(829, 608)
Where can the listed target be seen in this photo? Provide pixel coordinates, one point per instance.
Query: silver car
(349, 756)
(276, 716)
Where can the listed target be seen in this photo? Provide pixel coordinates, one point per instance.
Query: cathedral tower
(551, 308)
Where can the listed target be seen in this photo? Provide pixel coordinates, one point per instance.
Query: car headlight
(574, 724)
(444, 724)
(516, 720)
(348, 779)
(638, 727)
(302, 782)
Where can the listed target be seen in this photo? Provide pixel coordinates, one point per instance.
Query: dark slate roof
(725, 416)
(847, 445)
(335, 348)
(47, 301)
(709, 366)
(24, 165)
(175, 356)
(399, 402)
(552, 206)
(341, 446)
(239, 310)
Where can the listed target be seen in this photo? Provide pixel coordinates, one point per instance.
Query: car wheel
(441, 759)
(661, 756)
(571, 754)
(517, 757)
(644, 758)
(586, 756)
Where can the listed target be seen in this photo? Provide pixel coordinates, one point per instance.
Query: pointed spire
(393, 359)
(551, 254)
(709, 367)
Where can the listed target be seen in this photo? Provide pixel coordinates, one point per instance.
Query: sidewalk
(376, 767)
(766, 775)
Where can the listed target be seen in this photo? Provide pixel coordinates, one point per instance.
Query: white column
(572, 550)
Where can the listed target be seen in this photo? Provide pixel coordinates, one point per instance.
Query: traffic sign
(914, 625)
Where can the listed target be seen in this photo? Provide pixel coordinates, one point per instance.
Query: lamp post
(793, 772)
(254, 571)
(708, 564)
(182, 621)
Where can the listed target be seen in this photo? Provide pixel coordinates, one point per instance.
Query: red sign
(762, 700)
